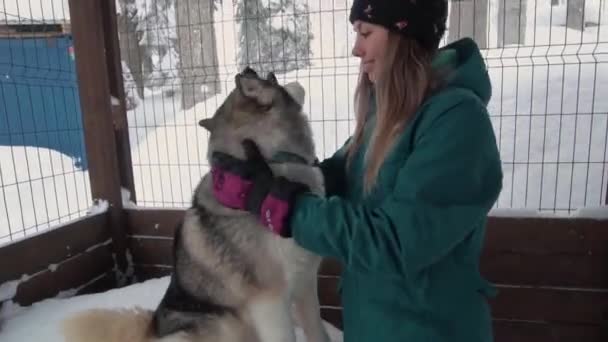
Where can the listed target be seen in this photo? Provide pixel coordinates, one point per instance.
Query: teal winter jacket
(410, 247)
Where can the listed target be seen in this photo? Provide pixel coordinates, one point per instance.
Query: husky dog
(232, 280)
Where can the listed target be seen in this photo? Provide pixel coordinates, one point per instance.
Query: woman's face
(370, 45)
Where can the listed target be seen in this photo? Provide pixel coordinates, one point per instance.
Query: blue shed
(39, 99)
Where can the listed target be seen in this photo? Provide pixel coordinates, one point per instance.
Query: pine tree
(198, 65)
(159, 40)
(274, 35)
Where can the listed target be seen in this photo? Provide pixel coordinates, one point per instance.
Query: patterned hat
(422, 20)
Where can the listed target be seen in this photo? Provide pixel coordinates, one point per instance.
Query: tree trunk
(512, 22)
(196, 46)
(469, 18)
(131, 50)
(575, 15)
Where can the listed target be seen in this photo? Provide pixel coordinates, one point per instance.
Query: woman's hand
(250, 185)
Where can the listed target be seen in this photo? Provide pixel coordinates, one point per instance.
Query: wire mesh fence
(548, 61)
(43, 177)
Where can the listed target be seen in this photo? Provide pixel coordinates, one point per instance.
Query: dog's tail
(112, 325)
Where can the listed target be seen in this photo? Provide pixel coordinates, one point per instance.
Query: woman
(409, 192)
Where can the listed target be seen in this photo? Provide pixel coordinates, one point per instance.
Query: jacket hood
(461, 65)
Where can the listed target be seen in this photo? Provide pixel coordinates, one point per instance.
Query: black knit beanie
(422, 20)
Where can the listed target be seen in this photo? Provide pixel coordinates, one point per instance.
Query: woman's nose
(356, 51)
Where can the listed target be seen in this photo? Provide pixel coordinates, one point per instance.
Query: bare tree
(575, 15)
(469, 18)
(512, 22)
(197, 50)
(129, 39)
(269, 47)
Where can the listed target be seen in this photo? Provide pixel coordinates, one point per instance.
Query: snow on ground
(40, 189)
(34, 10)
(47, 315)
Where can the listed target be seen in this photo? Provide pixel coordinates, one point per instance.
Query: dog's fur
(232, 279)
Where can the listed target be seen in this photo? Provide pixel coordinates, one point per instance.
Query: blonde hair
(400, 89)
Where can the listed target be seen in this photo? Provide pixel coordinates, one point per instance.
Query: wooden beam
(117, 90)
(69, 275)
(517, 251)
(90, 45)
(34, 254)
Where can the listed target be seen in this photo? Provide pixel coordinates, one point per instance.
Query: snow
(598, 213)
(34, 11)
(40, 189)
(8, 290)
(127, 203)
(48, 314)
(100, 206)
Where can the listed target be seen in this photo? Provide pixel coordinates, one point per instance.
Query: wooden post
(117, 90)
(101, 137)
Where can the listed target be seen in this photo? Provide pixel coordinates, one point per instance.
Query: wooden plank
(153, 222)
(522, 252)
(328, 291)
(105, 283)
(70, 274)
(531, 304)
(547, 236)
(514, 331)
(519, 331)
(527, 236)
(551, 305)
(145, 272)
(330, 267)
(93, 84)
(333, 316)
(590, 271)
(518, 251)
(151, 251)
(53, 246)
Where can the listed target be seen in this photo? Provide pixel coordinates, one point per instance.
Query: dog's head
(265, 111)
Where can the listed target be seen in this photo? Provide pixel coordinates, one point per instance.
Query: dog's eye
(266, 108)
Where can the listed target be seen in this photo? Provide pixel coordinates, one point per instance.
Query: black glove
(250, 185)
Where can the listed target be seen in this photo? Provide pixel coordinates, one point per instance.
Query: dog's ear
(252, 87)
(272, 78)
(208, 124)
(296, 91)
(249, 71)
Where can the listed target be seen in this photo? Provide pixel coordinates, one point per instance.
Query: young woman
(409, 192)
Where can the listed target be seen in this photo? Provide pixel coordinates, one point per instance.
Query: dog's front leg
(308, 312)
(272, 318)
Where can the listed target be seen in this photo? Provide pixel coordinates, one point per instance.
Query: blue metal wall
(39, 104)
